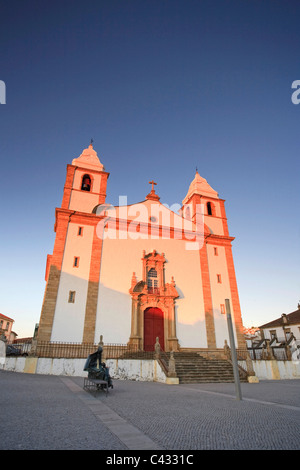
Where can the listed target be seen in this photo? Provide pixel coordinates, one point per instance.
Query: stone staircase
(192, 368)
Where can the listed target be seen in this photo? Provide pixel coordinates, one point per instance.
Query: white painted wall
(69, 317)
(217, 264)
(120, 258)
(214, 224)
(83, 201)
(139, 370)
(277, 370)
(143, 370)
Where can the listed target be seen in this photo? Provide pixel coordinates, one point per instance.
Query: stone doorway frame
(163, 298)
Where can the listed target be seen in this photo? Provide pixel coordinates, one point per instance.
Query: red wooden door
(153, 327)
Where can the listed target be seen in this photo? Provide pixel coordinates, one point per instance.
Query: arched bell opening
(86, 183)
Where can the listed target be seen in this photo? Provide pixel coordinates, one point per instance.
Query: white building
(283, 327)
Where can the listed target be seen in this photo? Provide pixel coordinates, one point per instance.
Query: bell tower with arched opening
(74, 265)
(216, 259)
(86, 182)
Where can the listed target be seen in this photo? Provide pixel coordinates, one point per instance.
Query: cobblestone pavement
(51, 412)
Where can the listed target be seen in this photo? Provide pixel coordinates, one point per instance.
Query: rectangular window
(80, 231)
(71, 296)
(287, 333)
(215, 251)
(76, 262)
(222, 307)
(219, 279)
(273, 334)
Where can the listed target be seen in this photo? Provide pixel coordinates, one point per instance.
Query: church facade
(136, 272)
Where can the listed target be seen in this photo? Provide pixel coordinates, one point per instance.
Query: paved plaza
(54, 412)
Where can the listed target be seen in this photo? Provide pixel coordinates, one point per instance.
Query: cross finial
(152, 182)
(92, 142)
(152, 195)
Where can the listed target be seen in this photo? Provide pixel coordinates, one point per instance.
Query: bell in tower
(86, 183)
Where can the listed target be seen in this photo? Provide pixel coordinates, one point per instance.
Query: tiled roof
(5, 317)
(250, 331)
(292, 319)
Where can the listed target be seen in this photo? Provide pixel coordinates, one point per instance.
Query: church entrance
(153, 327)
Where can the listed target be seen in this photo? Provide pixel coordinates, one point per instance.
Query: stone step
(196, 369)
(202, 367)
(210, 379)
(193, 368)
(204, 372)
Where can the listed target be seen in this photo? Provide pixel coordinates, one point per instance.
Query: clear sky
(162, 87)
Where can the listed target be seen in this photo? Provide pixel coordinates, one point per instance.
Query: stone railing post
(101, 344)
(227, 350)
(157, 349)
(250, 370)
(288, 352)
(172, 368)
(249, 365)
(33, 348)
(270, 354)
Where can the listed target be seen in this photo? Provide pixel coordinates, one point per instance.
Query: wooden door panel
(153, 327)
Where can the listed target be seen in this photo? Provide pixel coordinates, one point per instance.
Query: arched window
(209, 208)
(152, 281)
(86, 183)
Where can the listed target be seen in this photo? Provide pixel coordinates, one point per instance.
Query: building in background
(281, 329)
(6, 324)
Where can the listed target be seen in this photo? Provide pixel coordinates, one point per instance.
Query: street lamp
(233, 352)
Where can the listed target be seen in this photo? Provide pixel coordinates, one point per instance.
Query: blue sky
(163, 87)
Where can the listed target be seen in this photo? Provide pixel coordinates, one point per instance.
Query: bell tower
(86, 182)
(201, 197)
(72, 270)
(216, 260)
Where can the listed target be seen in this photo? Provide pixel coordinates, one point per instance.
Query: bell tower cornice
(89, 159)
(200, 187)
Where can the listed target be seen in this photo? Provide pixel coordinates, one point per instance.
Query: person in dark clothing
(107, 376)
(97, 369)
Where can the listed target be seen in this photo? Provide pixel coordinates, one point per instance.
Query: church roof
(200, 186)
(89, 159)
(150, 211)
